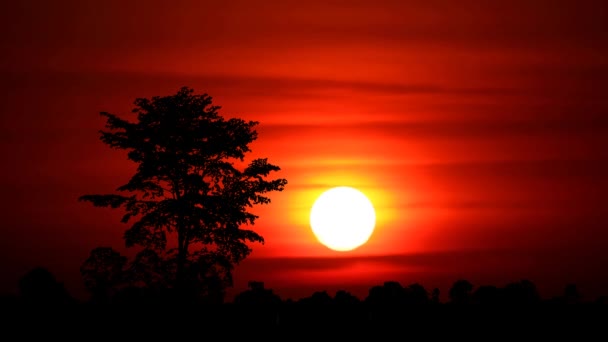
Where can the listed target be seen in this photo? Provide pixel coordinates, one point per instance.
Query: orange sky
(477, 129)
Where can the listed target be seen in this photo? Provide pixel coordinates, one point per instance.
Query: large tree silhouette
(190, 199)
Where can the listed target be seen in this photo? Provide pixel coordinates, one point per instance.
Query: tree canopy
(189, 202)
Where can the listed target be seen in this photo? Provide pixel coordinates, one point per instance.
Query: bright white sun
(342, 218)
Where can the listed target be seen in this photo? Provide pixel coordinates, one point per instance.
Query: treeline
(39, 286)
(259, 311)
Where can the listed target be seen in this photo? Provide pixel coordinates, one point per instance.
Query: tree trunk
(180, 278)
(182, 250)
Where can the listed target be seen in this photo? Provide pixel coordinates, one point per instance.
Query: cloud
(239, 84)
(534, 261)
(442, 129)
(418, 260)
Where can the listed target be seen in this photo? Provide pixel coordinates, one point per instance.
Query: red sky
(478, 130)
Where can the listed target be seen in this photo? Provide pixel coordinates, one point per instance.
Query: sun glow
(342, 218)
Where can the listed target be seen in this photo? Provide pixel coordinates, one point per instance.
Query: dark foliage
(40, 288)
(189, 201)
(513, 311)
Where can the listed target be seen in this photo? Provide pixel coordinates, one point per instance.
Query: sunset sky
(478, 129)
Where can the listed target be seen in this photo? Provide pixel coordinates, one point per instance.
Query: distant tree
(390, 293)
(257, 295)
(488, 295)
(601, 300)
(521, 292)
(344, 297)
(191, 194)
(571, 294)
(416, 294)
(321, 297)
(460, 292)
(103, 272)
(435, 296)
(39, 287)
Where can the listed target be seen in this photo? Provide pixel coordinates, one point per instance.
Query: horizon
(42, 291)
(360, 286)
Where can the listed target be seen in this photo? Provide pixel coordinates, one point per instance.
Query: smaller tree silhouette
(571, 294)
(257, 295)
(390, 293)
(460, 292)
(522, 292)
(488, 295)
(103, 273)
(435, 296)
(39, 287)
(416, 294)
(344, 297)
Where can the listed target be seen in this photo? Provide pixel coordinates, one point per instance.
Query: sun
(342, 218)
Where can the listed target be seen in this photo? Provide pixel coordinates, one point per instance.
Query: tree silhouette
(192, 192)
(571, 294)
(416, 294)
(390, 293)
(103, 272)
(460, 292)
(344, 297)
(257, 295)
(522, 292)
(488, 295)
(435, 295)
(39, 287)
